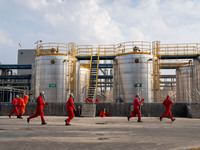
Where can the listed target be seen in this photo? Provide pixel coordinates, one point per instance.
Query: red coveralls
(70, 107)
(15, 110)
(21, 105)
(104, 114)
(39, 110)
(167, 102)
(26, 97)
(136, 110)
(88, 100)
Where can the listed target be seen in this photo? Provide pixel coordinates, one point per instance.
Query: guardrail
(131, 47)
(52, 49)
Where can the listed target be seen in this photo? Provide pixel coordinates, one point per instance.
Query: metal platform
(16, 77)
(103, 76)
(178, 56)
(15, 66)
(100, 57)
(105, 65)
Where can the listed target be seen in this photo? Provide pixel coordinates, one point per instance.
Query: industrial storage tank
(51, 71)
(196, 75)
(82, 80)
(51, 77)
(133, 73)
(184, 79)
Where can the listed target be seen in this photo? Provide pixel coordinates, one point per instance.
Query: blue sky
(95, 22)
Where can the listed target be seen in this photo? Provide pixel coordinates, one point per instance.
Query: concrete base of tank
(99, 133)
(114, 109)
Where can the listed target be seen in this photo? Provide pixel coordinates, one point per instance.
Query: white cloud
(32, 4)
(98, 21)
(5, 39)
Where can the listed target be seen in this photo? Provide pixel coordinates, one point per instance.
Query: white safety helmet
(42, 93)
(137, 95)
(71, 95)
(17, 96)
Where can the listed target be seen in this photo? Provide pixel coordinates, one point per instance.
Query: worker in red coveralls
(167, 102)
(15, 110)
(26, 97)
(136, 108)
(39, 109)
(22, 105)
(91, 100)
(70, 107)
(104, 113)
(88, 100)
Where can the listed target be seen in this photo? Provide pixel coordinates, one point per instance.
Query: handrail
(113, 50)
(97, 71)
(90, 69)
(130, 47)
(179, 49)
(133, 46)
(52, 49)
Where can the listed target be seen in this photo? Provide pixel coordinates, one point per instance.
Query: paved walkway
(99, 133)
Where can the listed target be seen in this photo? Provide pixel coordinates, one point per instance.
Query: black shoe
(139, 121)
(173, 120)
(9, 116)
(128, 118)
(67, 124)
(160, 119)
(19, 116)
(44, 123)
(28, 120)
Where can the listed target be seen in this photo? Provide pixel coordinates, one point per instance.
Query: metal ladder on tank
(94, 67)
(156, 70)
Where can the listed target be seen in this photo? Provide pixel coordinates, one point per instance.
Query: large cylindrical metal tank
(184, 79)
(133, 73)
(83, 77)
(51, 77)
(196, 75)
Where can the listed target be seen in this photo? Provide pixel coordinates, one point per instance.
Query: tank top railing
(139, 47)
(132, 47)
(179, 49)
(52, 49)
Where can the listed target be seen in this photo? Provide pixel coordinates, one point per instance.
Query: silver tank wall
(130, 70)
(196, 80)
(82, 84)
(51, 77)
(184, 80)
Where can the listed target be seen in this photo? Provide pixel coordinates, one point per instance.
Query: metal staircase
(94, 67)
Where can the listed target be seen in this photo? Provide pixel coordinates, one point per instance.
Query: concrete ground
(99, 133)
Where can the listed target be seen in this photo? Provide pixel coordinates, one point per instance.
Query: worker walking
(136, 108)
(39, 109)
(70, 107)
(167, 102)
(15, 110)
(22, 105)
